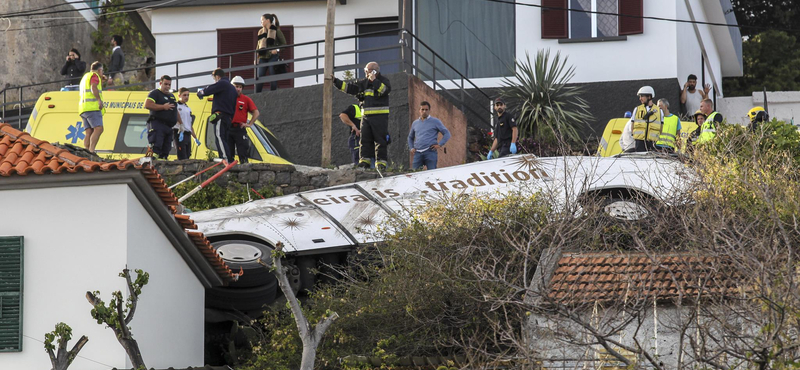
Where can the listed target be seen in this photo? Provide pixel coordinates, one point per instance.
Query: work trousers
(221, 126)
(238, 142)
(183, 147)
(374, 130)
(262, 71)
(504, 147)
(645, 146)
(353, 144)
(159, 135)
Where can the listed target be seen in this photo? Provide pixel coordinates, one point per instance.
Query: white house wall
(74, 243)
(191, 32)
(690, 52)
(640, 57)
(171, 304)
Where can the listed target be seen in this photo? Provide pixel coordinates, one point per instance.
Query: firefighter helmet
(757, 114)
(238, 80)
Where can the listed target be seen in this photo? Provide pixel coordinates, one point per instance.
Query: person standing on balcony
(74, 68)
(505, 132)
(423, 138)
(375, 123)
(269, 36)
(117, 61)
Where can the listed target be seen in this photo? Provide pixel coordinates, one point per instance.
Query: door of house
(232, 40)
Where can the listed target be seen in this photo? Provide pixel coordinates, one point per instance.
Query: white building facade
(81, 241)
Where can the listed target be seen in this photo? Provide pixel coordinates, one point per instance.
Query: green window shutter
(11, 293)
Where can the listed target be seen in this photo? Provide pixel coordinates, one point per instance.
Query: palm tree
(548, 108)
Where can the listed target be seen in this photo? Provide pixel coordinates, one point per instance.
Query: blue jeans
(427, 158)
(262, 71)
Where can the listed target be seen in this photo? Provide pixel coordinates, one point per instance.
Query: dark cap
(499, 100)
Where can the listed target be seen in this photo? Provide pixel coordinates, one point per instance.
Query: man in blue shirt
(222, 110)
(423, 139)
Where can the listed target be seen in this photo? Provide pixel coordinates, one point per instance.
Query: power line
(513, 2)
(99, 15)
(29, 13)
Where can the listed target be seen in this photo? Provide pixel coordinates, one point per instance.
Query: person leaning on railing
(269, 36)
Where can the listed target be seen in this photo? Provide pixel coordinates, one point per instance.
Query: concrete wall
(169, 317)
(658, 335)
(65, 256)
(293, 115)
(783, 105)
(34, 51)
(451, 117)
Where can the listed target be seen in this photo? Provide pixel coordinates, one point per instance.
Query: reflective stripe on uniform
(344, 87)
(369, 92)
(381, 89)
(376, 110)
(358, 111)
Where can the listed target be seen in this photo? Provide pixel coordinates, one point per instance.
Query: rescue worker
(163, 116)
(237, 134)
(757, 115)
(222, 109)
(352, 118)
(708, 131)
(505, 132)
(90, 106)
(375, 121)
(647, 120)
(699, 118)
(670, 131)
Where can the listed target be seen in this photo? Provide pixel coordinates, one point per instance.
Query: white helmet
(647, 90)
(238, 80)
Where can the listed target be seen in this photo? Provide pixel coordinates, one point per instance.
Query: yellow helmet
(698, 112)
(757, 114)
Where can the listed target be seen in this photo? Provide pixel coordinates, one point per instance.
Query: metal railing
(417, 58)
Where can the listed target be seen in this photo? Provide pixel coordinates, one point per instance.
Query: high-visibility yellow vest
(649, 129)
(88, 102)
(708, 130)
(358, 111)
(669, 131)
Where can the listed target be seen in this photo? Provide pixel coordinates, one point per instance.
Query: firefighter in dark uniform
(505, 131)
(352, 118)
(375, 121)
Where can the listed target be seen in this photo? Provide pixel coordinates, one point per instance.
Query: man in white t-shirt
(182, 130)
(691, 97)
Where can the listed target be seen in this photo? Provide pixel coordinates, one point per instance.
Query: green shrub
(215, 196)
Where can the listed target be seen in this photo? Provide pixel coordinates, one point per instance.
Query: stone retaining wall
(285, 179)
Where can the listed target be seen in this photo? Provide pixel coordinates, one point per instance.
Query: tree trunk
(309, 355)
(132, 349)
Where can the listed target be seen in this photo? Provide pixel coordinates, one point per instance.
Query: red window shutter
(554, 21)
(234, 40)
(634, 23)
(287, 54)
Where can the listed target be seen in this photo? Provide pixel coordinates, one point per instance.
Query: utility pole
(327, 86)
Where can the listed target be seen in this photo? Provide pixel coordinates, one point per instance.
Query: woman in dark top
(268, 36)
(74, 68)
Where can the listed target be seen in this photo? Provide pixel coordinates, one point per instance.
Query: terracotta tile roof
(605, 277)
(21, 154)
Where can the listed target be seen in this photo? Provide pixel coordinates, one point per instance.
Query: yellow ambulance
(55, 118)
(609, 143)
